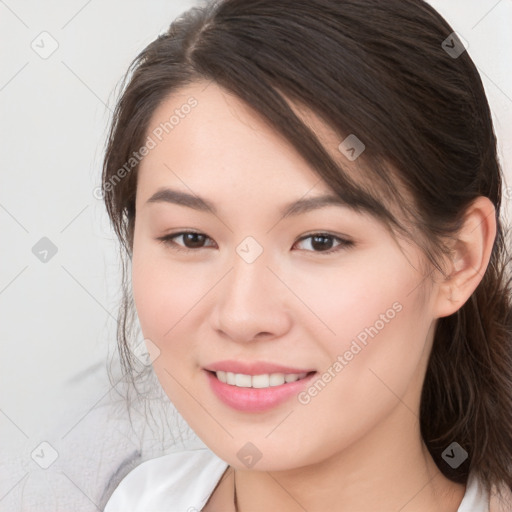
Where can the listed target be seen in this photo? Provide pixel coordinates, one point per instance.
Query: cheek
(373, 364)
(375, 324)
(166, 293)
(365, 289)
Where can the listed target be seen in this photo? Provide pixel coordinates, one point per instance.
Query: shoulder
(178, 481)
(477, 498)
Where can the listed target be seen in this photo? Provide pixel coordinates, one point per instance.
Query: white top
(183, 481)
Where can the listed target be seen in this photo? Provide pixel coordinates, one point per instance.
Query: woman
(309, 196)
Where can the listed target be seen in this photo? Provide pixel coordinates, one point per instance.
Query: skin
(356, 446)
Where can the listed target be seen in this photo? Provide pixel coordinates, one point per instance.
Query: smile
(256, 393)
(266, 380)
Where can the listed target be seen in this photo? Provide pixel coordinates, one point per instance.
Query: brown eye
(190, 240)
(193, 240)
(325, 243)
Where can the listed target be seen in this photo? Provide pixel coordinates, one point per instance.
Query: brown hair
(377, 70)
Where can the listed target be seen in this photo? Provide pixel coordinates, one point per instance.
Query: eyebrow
(300, 206)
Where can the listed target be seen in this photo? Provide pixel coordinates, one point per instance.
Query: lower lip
(255, 399)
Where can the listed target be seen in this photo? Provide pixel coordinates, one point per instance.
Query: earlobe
(470, 255)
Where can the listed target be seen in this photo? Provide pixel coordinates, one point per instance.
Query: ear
(471, 252)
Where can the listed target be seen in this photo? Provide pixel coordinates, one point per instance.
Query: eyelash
(343, 242)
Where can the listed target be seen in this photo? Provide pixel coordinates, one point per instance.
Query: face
(325, 290)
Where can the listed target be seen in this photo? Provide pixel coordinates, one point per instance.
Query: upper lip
(254, 368)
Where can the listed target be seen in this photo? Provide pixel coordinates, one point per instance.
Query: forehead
(213, 138)
(206, 141)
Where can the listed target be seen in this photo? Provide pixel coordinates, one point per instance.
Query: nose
(251, 303)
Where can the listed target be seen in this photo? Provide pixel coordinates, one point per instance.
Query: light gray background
(58, 324)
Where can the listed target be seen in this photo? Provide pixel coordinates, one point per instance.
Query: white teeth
(243, 381)
(258, 381)
(261, 381)
(276, 379)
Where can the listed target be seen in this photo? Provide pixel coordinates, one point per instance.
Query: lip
(254, 368)
(254, 400)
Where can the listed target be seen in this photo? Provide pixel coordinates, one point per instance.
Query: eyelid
(344, 242)
(167, 240)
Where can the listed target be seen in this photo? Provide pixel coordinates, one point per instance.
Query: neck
(372, 474)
